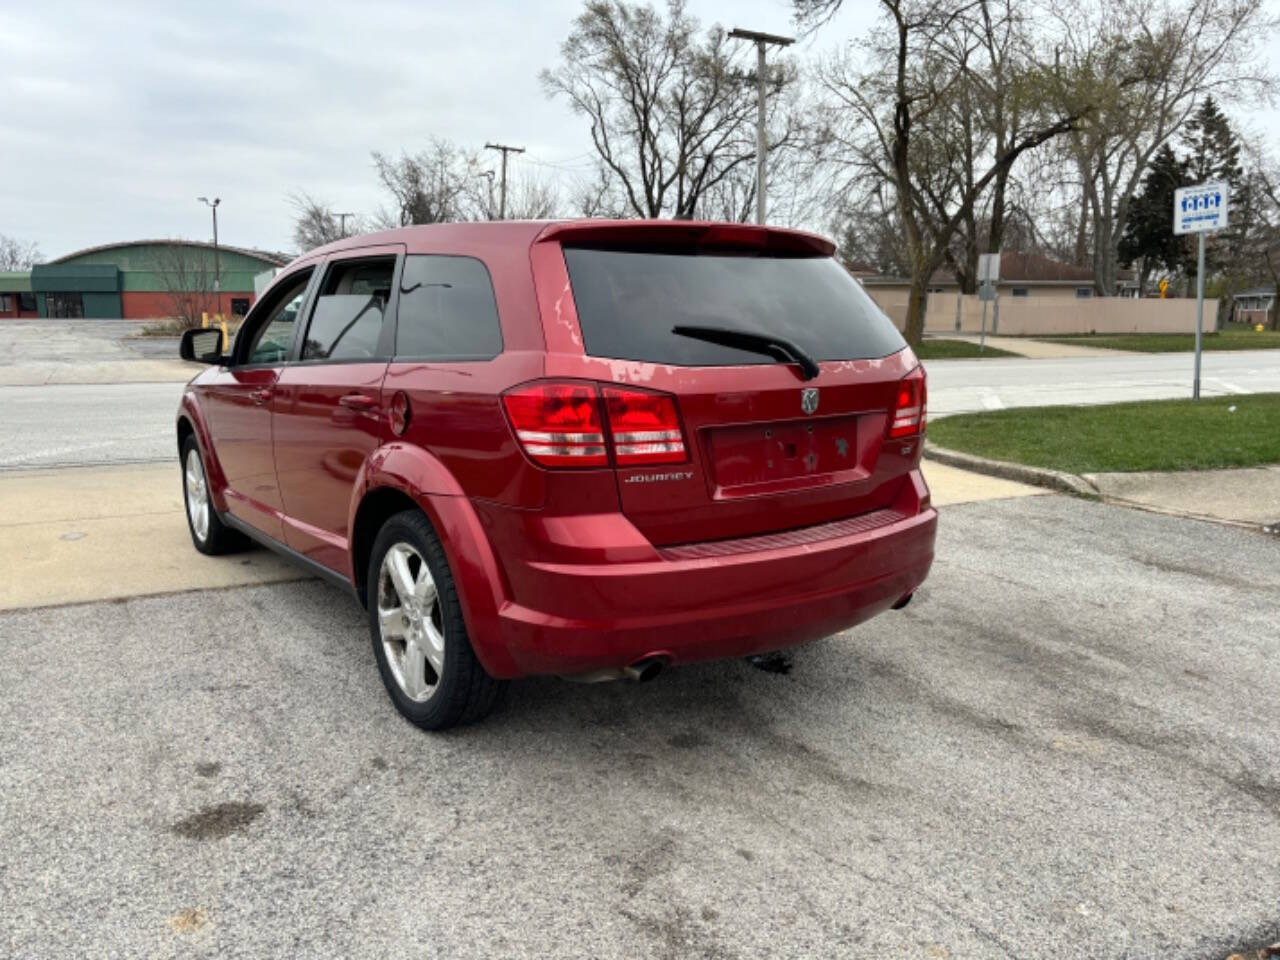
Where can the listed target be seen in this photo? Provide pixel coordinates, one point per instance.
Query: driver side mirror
(202, 345)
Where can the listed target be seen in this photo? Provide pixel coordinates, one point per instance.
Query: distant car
(591, 449)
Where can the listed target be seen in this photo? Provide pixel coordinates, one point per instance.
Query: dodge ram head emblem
(809, 399)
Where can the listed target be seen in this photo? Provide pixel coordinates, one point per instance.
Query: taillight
(558, 424)
(907, 417)
(644, 426)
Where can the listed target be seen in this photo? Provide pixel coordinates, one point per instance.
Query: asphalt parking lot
(1068, 746)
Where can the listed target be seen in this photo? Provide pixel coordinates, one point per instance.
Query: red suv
(587, 448)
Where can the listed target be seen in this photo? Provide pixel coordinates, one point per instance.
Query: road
(77, 424)
(1066, 752)
(57, 422)
(964, 386)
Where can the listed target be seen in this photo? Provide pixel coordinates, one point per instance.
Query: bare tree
(671, 113)
(448, 184)
(1144, 64)
(186, 275)
(436, 185)
(870, 233)
(529, 197)
(995, 94)
(18, 255)
(315, 223)
(891, 117)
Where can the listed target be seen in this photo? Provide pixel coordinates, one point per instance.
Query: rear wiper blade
(766, 343)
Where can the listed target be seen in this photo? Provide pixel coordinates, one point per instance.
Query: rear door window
(447, 310)
(346, 322)
(629, 301)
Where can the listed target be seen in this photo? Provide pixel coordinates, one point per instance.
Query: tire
(208, 533)
(425, 639)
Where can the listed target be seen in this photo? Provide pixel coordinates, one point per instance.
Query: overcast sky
(118, 115)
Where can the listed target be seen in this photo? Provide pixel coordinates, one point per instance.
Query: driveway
(1066, 747)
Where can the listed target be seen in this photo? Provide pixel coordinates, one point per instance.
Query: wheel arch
(401, 477)
(376, 507)
(191, 423)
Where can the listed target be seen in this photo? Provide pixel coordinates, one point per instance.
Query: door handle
(357, 401)
(260, 396)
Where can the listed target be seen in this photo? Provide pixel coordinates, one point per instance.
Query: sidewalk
(1246, 496)
(1037, 349)
(99, 533)
(951, 485)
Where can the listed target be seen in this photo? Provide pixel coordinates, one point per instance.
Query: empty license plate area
(771, 457)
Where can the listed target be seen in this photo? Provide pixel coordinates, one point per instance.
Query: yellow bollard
(225, 336)
(204, 319)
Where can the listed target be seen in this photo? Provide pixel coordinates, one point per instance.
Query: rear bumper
(594, 605)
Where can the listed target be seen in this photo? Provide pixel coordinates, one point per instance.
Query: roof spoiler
(686, 233)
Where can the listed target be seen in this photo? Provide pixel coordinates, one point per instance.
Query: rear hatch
(728, 327)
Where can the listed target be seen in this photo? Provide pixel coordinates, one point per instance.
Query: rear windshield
(628, 302)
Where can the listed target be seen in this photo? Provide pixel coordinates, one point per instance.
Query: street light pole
(217, 265)
(761, 41)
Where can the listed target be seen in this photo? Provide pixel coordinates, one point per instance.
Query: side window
(347, 319)
(270, 340)
(447, 310)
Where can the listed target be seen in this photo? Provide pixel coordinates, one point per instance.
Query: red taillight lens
(558, 424)
(645, 427)
(908, 414)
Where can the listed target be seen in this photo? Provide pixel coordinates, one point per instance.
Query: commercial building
(145, 279)
(16, 298)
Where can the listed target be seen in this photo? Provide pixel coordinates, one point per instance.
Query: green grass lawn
(1153, 435)
(935, 348)
(1175, 342)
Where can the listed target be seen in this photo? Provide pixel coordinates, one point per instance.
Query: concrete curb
(1079, 486)
(1020, 472)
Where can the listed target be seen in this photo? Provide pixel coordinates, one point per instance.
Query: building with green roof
(145, 279)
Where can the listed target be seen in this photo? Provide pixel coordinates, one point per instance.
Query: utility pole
(502, 202)
(217, 266)
(342, 224)
(761, 40)
(488, 175)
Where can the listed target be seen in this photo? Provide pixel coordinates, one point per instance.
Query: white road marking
(1229, 387)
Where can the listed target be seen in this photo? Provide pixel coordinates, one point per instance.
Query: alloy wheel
(411, 622)
(197, 495)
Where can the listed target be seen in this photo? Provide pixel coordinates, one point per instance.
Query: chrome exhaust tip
(642, 671)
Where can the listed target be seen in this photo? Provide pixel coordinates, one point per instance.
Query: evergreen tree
(1214, 155)
(1213, 145)
(1148, 238)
